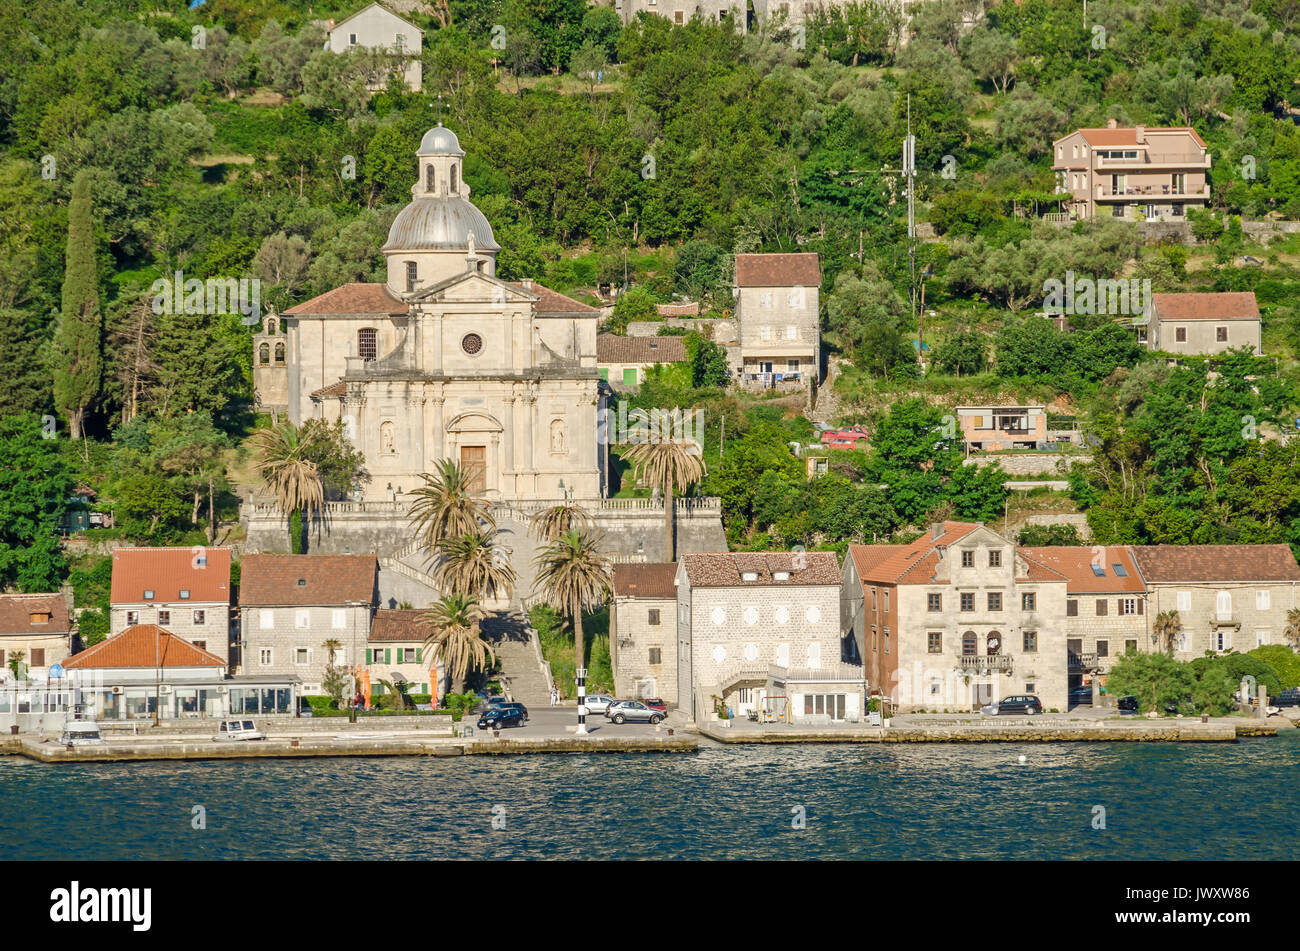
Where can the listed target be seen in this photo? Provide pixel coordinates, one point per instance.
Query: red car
(654, 703)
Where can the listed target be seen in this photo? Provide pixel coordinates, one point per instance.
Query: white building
(377, 27)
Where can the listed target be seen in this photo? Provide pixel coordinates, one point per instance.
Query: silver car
(599, 703)
(622, 711)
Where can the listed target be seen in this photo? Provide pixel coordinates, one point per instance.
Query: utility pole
(908, 171)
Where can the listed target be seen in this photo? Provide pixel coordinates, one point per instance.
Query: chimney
(1140, 132)
(528, 283)
(1112, 124)
(936, 530)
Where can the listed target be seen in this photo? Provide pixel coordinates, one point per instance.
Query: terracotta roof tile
(338, 388)
(678, 310)
(649, 580)
(553, 302)
(778, 270)
(326, 579)
(204, 572)
(916, 562)
(399, 624)
(611, 348)
(143, 645)
(17, 610)
(725, 569)
(1225, 306)
(369, 299)
(1075, 562)
(1212, 563)
(1128, 136)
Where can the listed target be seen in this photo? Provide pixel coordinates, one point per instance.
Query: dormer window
(302, 582)
(780, 576)
(148, 594)
(185, 594)
(38, 618)
(749, 576)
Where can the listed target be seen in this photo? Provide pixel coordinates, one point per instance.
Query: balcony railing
(1147, 159)
(1082, 661)
(1152, 191)
(985, 662)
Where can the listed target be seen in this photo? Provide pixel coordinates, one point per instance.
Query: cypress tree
(78, 341)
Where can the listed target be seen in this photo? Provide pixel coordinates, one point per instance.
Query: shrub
(1284, 661)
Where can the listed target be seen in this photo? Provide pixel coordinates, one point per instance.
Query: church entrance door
(473, 459)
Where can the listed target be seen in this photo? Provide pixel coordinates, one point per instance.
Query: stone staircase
(515, 644)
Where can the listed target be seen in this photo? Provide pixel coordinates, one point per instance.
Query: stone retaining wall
(1030, 463)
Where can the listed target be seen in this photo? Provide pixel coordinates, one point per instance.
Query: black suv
(1128, 704)
(1025, 703)
(498, 718)
(508, 705)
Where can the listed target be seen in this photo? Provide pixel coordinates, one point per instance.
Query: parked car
(238, 730)
(1080, 695)
(625, 710)
(1022, 704)
(1128, 704)
(1290, 697)
(654, 703)
(599, 702)
(498, 718)
(512, 705)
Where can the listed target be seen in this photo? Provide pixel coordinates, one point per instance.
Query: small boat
(238, 730)
(80, 729)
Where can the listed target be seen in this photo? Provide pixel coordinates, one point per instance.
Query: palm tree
(1292, 630)
(573, 573)
(1166, 627)
(550, 523)
(282, 462)
(474, 564)
(447, 505)
(453, 623)
(669, 465)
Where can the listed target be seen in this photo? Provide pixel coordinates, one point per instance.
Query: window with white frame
(199, 618)
(266, 619)
(132, 617)
(1184, 600)
(1223, 605)
(1221, 639)
(1262, 638)
(764, 333)
(339, 656)
(824, 704)
(814, 655)
(302, 656)
(1128, 606)
(765, 300)
(264, 657)
(406, 655)
(164, 617)
(1262, 599)
(339, 618)
(302, 618)
(791, 332)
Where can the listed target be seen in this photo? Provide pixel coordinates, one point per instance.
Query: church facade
(445, 360)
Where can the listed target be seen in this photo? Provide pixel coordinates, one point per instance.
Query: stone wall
(1020, 464)
(632, 638)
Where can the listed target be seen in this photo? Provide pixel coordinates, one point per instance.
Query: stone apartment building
(1003, 427)
(377, 27)
(1228, 597)
(183, 590)
(1105, 609)
(38, 626)
(290, 605)
(643, 631)
(1156, 174)
(749, 624)
(957, 619)
(778, 310)
(396, 646)
(1203, 324)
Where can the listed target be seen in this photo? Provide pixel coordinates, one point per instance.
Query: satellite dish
(398, 678)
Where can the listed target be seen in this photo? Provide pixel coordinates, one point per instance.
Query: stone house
(957, 619)
(778, 312)
(746, 619)
(1156, 174)
(290, 605)
(1105, 608)
(39, 626)
(396, 646)
(183, 590)
(1228, 597)
(681, 12)
(643, 631)
(1202, 323)
(377, 27)
(622, 361)
(1003, 427)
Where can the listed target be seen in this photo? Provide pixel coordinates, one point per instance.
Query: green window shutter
(629, 376)
(424, 688)
(368, 655)
(418, 652)
(388, 655)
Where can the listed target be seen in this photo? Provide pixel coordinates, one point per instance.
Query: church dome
(440, 141)
(440, 224)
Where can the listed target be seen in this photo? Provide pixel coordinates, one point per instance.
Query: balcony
(1162, 192)
(985, 662)
(1147, 160)
(1082, 661)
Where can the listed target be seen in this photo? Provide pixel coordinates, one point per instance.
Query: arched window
(993, 644)
(454, 186)
(279, 353)
(430, 179)
(270, 326)
(411, 274)
(1223, 605)
(264, 353)
(367, 348)
(968, 644)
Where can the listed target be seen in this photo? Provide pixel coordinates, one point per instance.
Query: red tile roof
(338, 388)
(267, 580)
(1172, 564)
(204, 572)
(778, 270)
(143, 645)
(368, 299)
(915, 563)
(678, 310)
(649, 580)
(399, 624)
(553, 302)
(1075, 562)
(17, 610)
(1128, 136)
(1214, 306)
(611, 348)
(725, 569)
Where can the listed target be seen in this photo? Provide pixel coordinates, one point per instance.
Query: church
(444, 360)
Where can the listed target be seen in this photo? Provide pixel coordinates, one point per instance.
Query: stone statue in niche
(387, 443)
(559, 444)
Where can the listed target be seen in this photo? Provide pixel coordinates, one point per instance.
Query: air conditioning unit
(223, 690)
(165, 689)
(117, 691)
